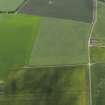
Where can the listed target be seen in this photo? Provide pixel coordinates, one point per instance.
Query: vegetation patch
(99, 31)
(61, 42)
(10, 5)
(97, 55)
(69, 9)
(98, 84)
(17, 34)
(61, 85)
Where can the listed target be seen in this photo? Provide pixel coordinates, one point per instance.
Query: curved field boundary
(89, 57)
(14, 11)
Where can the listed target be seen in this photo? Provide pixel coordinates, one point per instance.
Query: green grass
(61, 42)
(80, 10)
(48, 86)
(17, 33)
(99, 31)
(98, 54)
(98, 57)
(98, 84)
(9, 5)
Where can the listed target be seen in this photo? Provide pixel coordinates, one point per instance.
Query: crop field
(99, 31)
(66, 9)
(9, 5)
(98, 57)
(98, 53)
(47, 86)
(44, 60)
(98, 84)
(16, 40)
(61, 42)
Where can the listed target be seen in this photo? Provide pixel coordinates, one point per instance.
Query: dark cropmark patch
(67, 9)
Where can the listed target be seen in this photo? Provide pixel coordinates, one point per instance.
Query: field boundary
(21, 6)
(46, 66)
(89, 53)
(17, 9)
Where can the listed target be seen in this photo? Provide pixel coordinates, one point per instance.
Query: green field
(98, 57)
(31, 40)
(99, 31)
(9, 5)
(47, 86)
(98, 84)
(80, 10)
(17, 34)
(61, 42)
(98, 54)
(53, 45)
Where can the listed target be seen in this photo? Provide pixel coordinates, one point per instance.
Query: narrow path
(89, 56)
(94, 46)
(21, 6)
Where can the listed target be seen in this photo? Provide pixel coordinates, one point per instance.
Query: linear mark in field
(97, 46)
(89, 44)
(21, 6)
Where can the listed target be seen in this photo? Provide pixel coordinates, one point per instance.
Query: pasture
(80, 10)
(62, 85)
(17, 34)
(98, 84)
(9, 5)
(99, 31)
(98, 57)
(98, 54)
(61, 42)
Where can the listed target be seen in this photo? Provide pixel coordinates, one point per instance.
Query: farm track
(89, 56)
